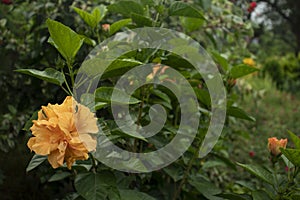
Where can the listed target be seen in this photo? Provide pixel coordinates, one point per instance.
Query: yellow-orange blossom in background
(63, 132)
(274, 145)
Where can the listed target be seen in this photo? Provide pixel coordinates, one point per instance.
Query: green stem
(97, 30)
(71, 73)
(275, 176)
(89, 87)
(80, 82)
(66, 91)
(156, 18)
(141, 107)
(186, 173)
(142, 94)
(141, 147)
(290, 185)
(68, 87)
(94, 169)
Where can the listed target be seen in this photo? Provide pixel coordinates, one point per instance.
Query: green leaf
(87, 17)
(246, 184)
(203, 96)
(141, 20)
(206, 188)
(220, 60)
(29, 123)
(295, 139)
(12, 109)
(124, 62)
(118, 25)
(239, 113)
(161, 95)
(35, 161)
(81, 166)
(238, 71)
(64, 39)
(225, 160)
(211, 38)
(191, 24)
(293, 155)
(50, 75)
(150, 3)
(72, 196)
(119, 67)
(295, 196)
(104, 94)
(99, 12)
(95, 186)
(288, 163)
(133, 194)
(260, 195)
(88, 40)
(126, 8)
(183, 9)
(177, 62)
(100, 105)
(59, 176)
(88, 100)
(205, 4)
(259, 172)
(175, 171)
(233, 196)
(92, 19)
(212, 163)
(132, 133)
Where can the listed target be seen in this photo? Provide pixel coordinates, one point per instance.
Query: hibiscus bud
(7, 2)
(274, 145)
(106, 27)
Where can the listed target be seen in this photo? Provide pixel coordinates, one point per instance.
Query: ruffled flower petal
(63, 133)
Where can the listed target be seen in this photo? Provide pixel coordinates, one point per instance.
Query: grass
(275, 111)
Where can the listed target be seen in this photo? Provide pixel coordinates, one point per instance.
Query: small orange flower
(274, 145)
(106, 27)
(63, 133)
(249, 61)
(159, 70)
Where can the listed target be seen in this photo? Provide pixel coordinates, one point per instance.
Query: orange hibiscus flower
(274, 145)
(63, 132)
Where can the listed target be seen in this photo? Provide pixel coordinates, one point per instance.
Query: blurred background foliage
(269, 35)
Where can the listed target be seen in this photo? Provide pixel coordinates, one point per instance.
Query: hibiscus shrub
(68, 134)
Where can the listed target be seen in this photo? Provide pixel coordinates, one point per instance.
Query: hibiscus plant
(70, 134)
